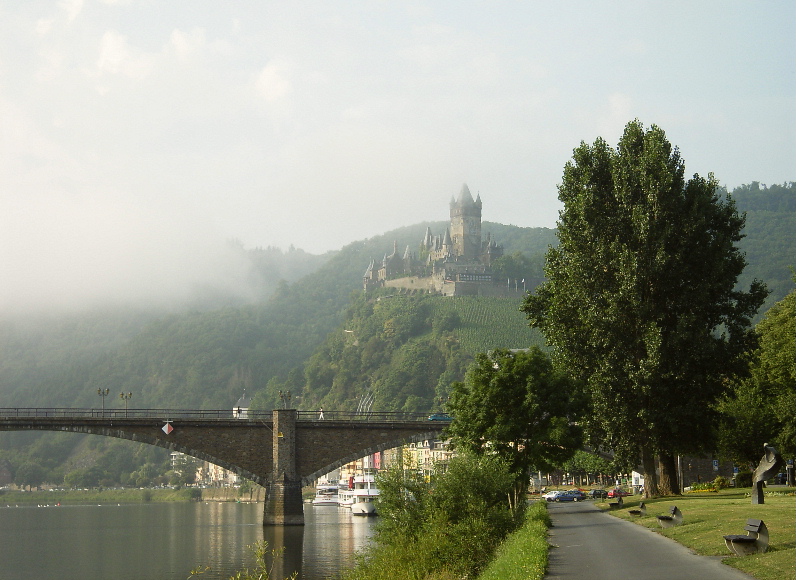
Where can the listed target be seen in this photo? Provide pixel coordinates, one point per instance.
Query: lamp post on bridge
(126, 397)
(285, 398)
(103, 394)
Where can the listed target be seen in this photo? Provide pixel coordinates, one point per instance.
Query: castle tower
(466, 225)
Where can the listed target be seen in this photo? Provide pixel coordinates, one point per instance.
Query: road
(589, 544)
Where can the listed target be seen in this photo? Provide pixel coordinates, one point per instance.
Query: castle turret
(466, 225)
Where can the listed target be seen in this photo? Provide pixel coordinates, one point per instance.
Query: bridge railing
(361, 416)
(203, 414)
(71, 412)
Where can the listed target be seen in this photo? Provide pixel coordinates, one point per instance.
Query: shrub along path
(587, 543)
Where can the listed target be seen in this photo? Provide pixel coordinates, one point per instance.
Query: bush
(721, 483)
(448, 528)
(743, 479)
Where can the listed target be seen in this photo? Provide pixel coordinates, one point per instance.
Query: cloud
(73, 8)
(272, 82)
(116, 56)
(187, 44)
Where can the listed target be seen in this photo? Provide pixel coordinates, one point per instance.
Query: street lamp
(126, 397)
(285, 397)
(103, 394)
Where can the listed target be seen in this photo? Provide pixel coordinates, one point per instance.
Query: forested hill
(401, 352)
(205, 357)
(770, 242)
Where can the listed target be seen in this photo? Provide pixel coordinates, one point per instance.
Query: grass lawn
(523, 555)
(707, 517)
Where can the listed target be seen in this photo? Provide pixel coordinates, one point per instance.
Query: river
(165, 541)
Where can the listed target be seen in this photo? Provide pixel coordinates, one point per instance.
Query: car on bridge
(440, 417)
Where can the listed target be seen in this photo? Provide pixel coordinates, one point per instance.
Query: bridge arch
(281, 451)
(173, 445)
(359, 454)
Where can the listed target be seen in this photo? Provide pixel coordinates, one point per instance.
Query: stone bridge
(282, 450)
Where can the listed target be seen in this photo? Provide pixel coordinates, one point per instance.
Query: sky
(136, 136)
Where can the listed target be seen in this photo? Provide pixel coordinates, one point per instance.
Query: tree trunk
(650, 477)
(669, 484)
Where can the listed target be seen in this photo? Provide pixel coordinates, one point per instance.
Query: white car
(552, 495)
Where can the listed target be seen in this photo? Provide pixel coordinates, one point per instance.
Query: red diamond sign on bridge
(167, 428)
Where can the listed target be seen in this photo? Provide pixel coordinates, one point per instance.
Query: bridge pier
(283, 505)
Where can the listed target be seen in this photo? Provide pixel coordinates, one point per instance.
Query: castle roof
(466, 198)
(428, 239)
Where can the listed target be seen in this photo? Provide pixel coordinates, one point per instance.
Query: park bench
(755, 540)
(616, 504)
(675, 519)
(641, 511)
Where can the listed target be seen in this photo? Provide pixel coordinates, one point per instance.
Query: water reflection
(324, 546)
(166, 541)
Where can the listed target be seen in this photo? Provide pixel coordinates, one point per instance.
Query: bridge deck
(204, 414)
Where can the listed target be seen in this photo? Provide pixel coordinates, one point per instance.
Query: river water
(165, 541)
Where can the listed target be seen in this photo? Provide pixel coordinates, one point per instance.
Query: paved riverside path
(589, 544)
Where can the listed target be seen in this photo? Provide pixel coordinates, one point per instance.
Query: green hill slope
(403, 351)
(489, 323)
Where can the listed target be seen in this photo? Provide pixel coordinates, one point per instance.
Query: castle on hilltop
(456, 263)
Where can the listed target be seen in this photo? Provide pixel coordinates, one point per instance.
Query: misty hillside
(204, 355)
(287, 331)
(207, 354)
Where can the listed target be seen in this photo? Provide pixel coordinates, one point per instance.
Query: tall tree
(517, 406)
(776, 366)
(640, 302)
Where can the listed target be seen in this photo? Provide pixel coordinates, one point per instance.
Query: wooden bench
(675, 519)
(755, 541)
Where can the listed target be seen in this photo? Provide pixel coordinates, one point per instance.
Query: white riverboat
(326, 494)
(364, 493)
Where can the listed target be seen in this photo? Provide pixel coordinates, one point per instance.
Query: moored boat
(364, 492)
(345, 492)
(326, 494)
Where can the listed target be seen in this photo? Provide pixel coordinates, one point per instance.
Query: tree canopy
(762, 408)
(640, 302)
(517, 406)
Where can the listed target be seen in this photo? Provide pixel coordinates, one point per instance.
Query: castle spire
(465, 197)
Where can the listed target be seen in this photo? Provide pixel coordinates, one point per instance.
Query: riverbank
(134, 495)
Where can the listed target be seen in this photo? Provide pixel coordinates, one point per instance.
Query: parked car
(597, 493)
(571, 495)
(616, 492)
(552, 495)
